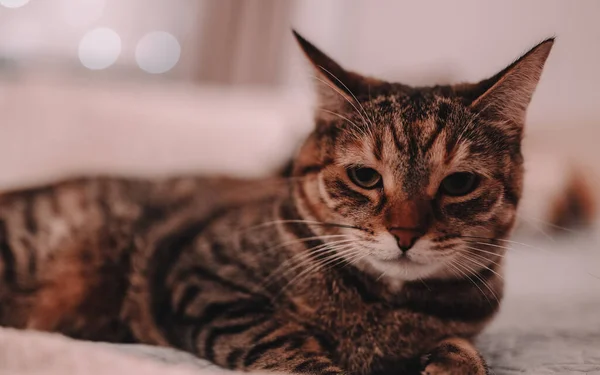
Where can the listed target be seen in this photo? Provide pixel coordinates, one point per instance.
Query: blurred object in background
(221, 42)
(240, 42)
(560, 195)
(145, 87)
(71, 36)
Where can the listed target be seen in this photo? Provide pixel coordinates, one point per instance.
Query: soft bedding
(550, 319)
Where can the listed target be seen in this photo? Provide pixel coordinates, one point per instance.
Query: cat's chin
(402, 268)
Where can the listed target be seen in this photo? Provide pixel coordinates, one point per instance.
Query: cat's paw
(453, 357)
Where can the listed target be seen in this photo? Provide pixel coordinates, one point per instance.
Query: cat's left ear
(506, 96)
(335, 85)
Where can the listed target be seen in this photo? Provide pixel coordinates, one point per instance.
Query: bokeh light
(13, 3)
(99, 48)
(157, 52)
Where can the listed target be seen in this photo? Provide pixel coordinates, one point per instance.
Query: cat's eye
(366, 178)
(459, 184)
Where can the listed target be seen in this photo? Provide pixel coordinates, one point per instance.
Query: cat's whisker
(470, 259)
(547, 223)
(305, 239)
(484, 259)
(308, 257)
(478, 277)
(424, 283)
(453, 269)
(355, 260)
(350, 250)
(351, 93)
(522, 244)
(302, 258)
(358, 128)
(332, 257)
(468, 272)
(305, 256)
(345, 98)
(455, 266)
(485, 251)
(493, 245)
(506, 247)
(349, 257)
(370, 120)
(503, 240)
(539, 228)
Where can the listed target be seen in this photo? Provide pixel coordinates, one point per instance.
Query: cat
(382, 253)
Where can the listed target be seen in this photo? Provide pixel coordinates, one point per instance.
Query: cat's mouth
(400, 259)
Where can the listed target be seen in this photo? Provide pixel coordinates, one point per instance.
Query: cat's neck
(478, 296)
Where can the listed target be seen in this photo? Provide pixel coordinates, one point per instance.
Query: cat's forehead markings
(389, 149)
(442, 164)
(358, 153)
(380, 99)
(460, 154)
(438, 152)
(383, 103)
(427, 126)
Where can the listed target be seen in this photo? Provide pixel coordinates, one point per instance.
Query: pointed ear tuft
(506, 96)
(335, 85)
(320, 61)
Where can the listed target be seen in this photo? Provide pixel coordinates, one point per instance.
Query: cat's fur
(297, 275)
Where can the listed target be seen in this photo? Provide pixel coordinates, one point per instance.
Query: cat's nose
(406, 237)
(408, 220)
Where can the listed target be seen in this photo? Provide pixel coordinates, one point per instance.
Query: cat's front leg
(290, 358)
(454, 356)
(260, 342)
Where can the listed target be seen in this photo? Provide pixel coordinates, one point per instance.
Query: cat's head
(428, 178)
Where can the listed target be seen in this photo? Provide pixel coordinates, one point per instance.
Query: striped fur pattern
(309, 274)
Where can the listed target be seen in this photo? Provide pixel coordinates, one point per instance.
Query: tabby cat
(382, 254)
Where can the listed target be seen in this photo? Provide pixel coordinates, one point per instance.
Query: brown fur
(454, 356)
(301, 275)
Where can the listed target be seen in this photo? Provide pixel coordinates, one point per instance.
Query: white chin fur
(402, 271)
(385, 264)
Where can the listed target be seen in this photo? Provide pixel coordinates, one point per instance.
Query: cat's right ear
(335, 85)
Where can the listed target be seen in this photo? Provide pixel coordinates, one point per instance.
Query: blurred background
(181, 86)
